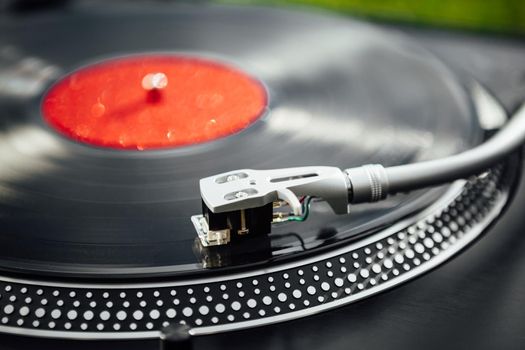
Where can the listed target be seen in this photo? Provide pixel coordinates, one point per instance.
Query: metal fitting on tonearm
(245, 203)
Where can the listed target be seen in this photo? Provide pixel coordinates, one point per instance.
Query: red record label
(152, 102)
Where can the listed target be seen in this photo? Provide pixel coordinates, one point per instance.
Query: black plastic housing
(257, 221)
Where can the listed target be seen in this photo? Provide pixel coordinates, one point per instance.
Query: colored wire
(305, 209)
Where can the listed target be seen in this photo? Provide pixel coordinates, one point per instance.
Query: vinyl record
(340, 93)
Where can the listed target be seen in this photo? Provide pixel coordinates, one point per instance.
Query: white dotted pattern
(276, 293)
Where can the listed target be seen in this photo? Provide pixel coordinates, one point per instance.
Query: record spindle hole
(154, 83)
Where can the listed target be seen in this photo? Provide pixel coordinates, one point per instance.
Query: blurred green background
(499, 16)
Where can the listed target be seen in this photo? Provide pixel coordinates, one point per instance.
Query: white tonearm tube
(240, 200)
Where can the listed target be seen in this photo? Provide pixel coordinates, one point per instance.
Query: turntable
(129, 203)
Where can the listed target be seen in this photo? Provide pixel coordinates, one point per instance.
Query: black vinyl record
(341, 93)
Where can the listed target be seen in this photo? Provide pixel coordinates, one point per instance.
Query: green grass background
(499, 16)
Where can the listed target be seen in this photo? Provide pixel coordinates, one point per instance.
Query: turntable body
(96, 242)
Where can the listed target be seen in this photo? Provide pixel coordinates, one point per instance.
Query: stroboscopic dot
(236, 306)
(220, 308)
(154, 314)
(282, 297)
(204, 310)
(187, 311)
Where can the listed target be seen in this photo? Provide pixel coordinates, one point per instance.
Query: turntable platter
(341, 93)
